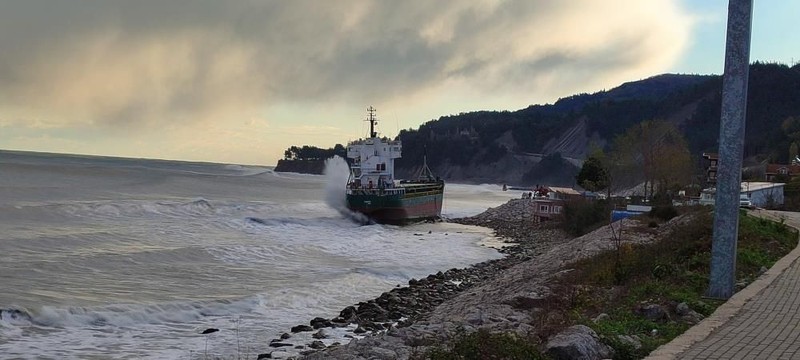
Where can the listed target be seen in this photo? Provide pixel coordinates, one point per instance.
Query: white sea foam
(136, 261)
(336, 172)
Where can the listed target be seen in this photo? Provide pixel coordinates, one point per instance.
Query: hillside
(546, 143)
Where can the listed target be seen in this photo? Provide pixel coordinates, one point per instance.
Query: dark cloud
(140, 62)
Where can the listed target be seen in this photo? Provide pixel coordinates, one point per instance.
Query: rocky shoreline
(403, 313)
(506, 294)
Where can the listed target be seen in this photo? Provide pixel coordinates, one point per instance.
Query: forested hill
(545, 144)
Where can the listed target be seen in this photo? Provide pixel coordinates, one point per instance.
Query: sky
(239, 81)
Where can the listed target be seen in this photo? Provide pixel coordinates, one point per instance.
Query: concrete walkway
(760, 322)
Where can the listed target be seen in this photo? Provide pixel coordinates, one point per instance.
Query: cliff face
(301, 166)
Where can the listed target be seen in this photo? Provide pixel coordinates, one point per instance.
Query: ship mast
(372, 121)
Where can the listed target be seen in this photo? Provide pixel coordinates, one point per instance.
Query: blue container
(623, 214)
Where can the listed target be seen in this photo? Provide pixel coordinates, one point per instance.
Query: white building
(761, 194)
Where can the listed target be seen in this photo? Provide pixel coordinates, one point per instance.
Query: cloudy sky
(241, 80)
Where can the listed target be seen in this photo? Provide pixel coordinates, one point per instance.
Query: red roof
(776, 169)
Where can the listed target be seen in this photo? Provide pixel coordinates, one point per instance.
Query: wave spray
(336, 172)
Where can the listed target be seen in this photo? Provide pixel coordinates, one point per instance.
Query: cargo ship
(373, 190)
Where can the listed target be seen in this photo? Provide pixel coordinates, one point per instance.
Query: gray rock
(692, 317)
(654, 312)
(632, 340)
(301, 328)
(316, 344)
(682, 309)
(277, 344)
(577, 342)
(321, 334)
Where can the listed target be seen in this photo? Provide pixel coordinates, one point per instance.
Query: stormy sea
(130, 258)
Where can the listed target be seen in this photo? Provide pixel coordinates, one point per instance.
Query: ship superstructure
(373, 190)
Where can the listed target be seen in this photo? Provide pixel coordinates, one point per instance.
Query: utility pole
(731, 144)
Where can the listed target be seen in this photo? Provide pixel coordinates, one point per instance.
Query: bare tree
(653, 151)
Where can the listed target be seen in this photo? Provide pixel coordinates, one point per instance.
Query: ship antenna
(425, 156)
(372, 121)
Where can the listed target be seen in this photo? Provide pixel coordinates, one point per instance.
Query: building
(712, 165)
(548, 202)
(776, 172)
(761, 194)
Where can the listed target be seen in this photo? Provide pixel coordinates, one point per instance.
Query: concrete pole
(731, 144)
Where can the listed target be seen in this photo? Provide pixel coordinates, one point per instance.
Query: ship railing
(423, 193)
(375, 191)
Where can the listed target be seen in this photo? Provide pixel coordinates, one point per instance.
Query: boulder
(682, 309)
(319, 322)
(316, 344)
(348, 313)
(577, 342)
(654, 312)
(301, 328)
(277, 344)
(321, 334)
(632, 340)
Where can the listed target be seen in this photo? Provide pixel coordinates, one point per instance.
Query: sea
(105, 257)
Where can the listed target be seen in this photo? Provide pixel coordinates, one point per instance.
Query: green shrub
(580, 217)
(663, 212)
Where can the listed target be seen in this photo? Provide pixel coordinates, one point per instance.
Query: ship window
(383, 166)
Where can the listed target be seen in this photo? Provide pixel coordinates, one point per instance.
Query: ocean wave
(15, 317)
(243, 170)
(317, 222)
(116, 208)
(126, 315)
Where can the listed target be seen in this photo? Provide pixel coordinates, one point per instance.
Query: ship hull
(418, 203)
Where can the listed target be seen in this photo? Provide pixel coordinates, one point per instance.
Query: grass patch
(483, 344)
(623, 283)
(668, 272)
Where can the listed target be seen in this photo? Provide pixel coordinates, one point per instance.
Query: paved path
(760, 322)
